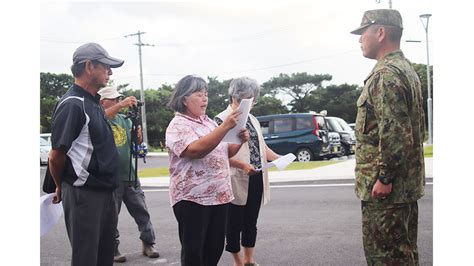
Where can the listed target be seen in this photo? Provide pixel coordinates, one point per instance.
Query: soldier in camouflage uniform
(389, 171)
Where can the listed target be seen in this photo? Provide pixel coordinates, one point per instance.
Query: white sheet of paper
(280, 163)
(232, 135)
(49, 213)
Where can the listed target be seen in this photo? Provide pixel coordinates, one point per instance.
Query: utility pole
(142, 94)
(428, 77)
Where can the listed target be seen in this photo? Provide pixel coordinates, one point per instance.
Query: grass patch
(164, 171)
(305, 165)
(154, 172)
(428, 151)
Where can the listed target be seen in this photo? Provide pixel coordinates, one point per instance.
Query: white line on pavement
(320, 185)
(284, 186)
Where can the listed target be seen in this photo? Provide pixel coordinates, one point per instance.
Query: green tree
(269, 105)
(219, 100)
(337, 100)
(52, 87)
(158, 114)
(218, 93)
(421, 71)
(298, 86)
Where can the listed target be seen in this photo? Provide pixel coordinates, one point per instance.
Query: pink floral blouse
(205, 181)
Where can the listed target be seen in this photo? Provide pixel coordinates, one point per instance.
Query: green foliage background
(305, 91)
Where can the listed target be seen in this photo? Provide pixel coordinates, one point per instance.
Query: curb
(343, 170)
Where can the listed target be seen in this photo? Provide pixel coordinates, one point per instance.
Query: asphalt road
(153, 162)
(300, 226)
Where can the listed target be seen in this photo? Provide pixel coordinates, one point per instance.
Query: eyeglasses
(107, 67)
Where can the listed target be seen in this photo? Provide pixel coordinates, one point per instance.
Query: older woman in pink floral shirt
(200, 186)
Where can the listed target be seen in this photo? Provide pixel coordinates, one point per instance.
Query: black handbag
(48, 183)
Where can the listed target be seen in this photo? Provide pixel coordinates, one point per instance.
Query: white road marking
(285, 186)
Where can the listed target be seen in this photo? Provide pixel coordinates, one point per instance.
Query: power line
(251, 69)
(268, 67)
(289, 64)
(46, 39)
(251, 36)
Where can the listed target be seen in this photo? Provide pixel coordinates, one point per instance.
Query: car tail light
(316, 129)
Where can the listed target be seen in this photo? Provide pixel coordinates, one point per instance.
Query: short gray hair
(185, 87)
(243, 88)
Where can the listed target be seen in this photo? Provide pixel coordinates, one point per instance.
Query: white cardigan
(240, 180)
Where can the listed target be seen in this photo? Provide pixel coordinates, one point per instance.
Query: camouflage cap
(387, 17)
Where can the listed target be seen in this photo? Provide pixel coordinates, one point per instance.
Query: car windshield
(334, 125)
(44, 142)
(344, 125)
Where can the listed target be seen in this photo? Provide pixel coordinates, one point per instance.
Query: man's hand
(57, 162)
(57, 198)
(380, 190)
(128, 102)
(139, 134)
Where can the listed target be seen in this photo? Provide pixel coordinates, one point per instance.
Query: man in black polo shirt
(84, 160)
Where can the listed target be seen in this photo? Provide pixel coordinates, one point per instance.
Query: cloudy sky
(227, 39)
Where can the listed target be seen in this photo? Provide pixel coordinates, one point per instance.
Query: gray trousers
(134, 199)
(91, 218)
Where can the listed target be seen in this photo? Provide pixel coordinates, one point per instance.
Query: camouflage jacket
(390, 130)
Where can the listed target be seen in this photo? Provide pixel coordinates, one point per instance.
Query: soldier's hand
(381, 191)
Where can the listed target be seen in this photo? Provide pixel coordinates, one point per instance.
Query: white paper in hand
(282, 162)
(49, 212)
(232, 135)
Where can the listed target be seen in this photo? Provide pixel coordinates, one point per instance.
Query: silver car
(45, 147)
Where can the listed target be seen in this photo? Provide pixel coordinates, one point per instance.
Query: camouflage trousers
(390, 233)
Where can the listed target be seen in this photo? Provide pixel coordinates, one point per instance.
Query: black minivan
(303, 134)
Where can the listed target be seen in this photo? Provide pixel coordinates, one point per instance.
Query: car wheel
(304, 155)
(344, 151)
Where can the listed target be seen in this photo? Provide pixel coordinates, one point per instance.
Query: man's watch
(385, 180)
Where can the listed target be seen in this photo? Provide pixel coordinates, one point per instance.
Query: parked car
(45, 147)
(338, 125)
(304, 134)
(335, 146)
(352, 126)
(46, 136)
